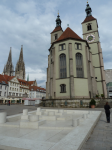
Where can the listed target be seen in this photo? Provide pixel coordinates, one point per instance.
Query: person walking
(9, 103)
(107, 112)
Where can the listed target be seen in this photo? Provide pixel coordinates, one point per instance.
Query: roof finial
(67, 25)
(87, 2)
(58, 12)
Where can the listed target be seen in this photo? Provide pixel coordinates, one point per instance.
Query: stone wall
(70, 103)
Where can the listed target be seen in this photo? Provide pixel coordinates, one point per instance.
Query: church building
(19, 69)
(75, 64)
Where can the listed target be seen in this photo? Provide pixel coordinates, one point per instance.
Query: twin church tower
(75, 65)
(19, 69)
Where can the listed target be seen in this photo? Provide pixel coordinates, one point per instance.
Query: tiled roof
(87, 19)
(35, 88)
(30, 82)
(8, 78)
(2, 79)
(24, 82)
(69, 34)
(57, 29)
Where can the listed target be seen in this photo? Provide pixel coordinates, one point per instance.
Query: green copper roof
(109, 84)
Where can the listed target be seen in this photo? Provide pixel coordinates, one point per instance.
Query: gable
(14, 80)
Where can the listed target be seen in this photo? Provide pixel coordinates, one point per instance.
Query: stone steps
(102, 103)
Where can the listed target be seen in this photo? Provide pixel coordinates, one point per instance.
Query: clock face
(90, 38)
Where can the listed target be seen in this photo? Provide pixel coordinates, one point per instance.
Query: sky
(30, 22)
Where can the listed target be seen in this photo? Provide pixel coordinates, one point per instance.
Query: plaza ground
(100, 139)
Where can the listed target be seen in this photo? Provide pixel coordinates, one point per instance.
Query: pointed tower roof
(28, 77)
(58, 24)
(21, 54)
(69, 34)
(89, 16)
(9, 61)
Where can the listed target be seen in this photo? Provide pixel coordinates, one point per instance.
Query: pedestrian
(9, 103)
(107, 112)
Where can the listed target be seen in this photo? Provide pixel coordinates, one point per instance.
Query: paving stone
(101, 137)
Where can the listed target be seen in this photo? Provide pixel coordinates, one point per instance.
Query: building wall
(97, 56)
(59, 33)
(14, 87)
(3, 91)
(75, 87)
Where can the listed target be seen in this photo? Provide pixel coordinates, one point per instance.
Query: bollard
(2, 117)
(75, 122)
(25, 112)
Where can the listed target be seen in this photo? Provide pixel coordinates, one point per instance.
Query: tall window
(0, 93)
(62, 47)
(78, 46)
(4, 93)
(63, 88)
(0, 86)
(62, 66)
(56, 36)
(89, 27)
(79, 65)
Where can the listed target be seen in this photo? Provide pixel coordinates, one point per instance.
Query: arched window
(62, 88)
(62, 66)
(79, 65)
(89, 27)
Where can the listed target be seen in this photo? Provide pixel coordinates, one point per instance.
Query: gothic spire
(9, 61)
(20, 66)
(8, 68)
(88, 10)
(58, 21)
(21, 54)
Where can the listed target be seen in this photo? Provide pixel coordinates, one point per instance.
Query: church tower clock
(91, 34)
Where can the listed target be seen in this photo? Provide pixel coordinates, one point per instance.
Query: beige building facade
(75, 65)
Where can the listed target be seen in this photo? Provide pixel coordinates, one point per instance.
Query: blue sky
(30, 22)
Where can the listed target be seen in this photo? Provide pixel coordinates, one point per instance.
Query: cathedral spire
(58, 21)
(21, 54)
(8, 68)
(88, 10)
(9, 61)
(20, 66)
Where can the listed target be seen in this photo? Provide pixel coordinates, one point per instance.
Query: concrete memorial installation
(2, 117)
(72, 122)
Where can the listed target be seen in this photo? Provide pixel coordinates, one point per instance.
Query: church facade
(19, 69)
(75, 65)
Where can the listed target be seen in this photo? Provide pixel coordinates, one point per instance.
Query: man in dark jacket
(107, 112)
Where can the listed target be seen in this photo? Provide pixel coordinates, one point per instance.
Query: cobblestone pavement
(15, 109)
(101, 137)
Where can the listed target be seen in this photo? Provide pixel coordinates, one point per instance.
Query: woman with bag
(107, 111)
